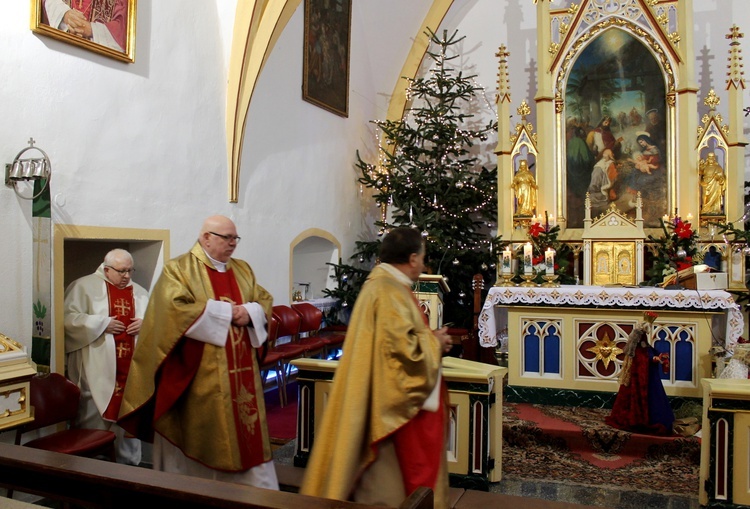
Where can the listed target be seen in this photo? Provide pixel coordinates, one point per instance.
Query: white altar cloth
(600, 296)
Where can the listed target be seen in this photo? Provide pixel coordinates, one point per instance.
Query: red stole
(241, 368)
(420, 443)
(122, 308)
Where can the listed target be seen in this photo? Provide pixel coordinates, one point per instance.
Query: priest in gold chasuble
(384, 426)
(194, 387)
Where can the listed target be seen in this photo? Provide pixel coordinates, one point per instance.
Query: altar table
(571, 337)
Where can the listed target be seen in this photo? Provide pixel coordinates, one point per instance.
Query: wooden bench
(101, 484)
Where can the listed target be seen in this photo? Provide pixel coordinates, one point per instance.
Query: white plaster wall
(143, 145)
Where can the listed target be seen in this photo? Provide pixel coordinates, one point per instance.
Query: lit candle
(549, 261)
(552, 221)
(506, 261)
(527, 267)
(665, 218)
(689, 217)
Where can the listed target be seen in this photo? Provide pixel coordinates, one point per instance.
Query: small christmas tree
(429, 177)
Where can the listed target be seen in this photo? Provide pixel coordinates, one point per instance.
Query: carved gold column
(545, 110)
(503, 148)
(736, 140)
(683, 111)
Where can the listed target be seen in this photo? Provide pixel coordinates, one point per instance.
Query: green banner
(41, 343)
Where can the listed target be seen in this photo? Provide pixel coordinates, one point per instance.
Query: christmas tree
(429, 176)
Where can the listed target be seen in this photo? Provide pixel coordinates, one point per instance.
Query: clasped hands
(78, 24)
(115, 326)
(240, 316)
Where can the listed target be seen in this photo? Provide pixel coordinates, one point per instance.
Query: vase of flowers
(542, 237)
(676, 249)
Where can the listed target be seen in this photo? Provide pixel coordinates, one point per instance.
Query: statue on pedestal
(525, 187)
(713, 183)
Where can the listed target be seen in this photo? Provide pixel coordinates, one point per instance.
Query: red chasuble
(122, 308)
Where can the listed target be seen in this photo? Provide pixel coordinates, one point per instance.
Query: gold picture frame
(325, 55)
(112, 32)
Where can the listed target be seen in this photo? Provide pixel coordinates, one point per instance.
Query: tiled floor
(612, 496)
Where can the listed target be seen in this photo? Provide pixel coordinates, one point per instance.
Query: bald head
(218, 237)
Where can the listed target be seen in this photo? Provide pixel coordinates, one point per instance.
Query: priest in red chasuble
(194, 387)
(103, 316)
(384, 428)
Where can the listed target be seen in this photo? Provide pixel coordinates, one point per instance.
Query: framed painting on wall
(615, 133)
(325, 56)
(106, 27)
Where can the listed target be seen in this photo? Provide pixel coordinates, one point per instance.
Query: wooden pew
(101, 484)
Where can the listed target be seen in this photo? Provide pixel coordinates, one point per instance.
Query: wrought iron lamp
(28, 169)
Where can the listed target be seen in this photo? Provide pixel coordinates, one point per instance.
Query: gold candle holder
(550, 281)
(506, 280)
(528, 280)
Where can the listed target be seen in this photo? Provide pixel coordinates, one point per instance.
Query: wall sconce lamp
(29, 170)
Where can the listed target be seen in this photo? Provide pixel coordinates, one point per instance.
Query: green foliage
(40, 310)
(541, 238)
(676, 250)
(429, 176)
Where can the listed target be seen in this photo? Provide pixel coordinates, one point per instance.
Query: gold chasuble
(389, 366)
(206, 400)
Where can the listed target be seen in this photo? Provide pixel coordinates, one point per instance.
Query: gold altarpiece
(612, 247)
(642, 36)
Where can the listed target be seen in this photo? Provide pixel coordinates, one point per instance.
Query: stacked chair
(311, 318)
(284, 323)
(301, 323)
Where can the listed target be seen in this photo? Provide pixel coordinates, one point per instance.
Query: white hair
(117, 254)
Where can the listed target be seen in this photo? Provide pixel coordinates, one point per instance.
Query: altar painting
(615, 130)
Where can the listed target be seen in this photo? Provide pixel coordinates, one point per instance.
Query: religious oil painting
(325, 57)
(106, 27)
(615, 131)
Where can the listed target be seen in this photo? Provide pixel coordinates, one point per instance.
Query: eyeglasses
(122, 272)
(228, 238)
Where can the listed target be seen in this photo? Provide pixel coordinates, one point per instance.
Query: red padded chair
(311, 319)
(55, 400)
(286, 324)
(272, 361)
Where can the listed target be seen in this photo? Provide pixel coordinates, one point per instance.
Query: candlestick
(549, 261)
(506, 269)
(527, 266)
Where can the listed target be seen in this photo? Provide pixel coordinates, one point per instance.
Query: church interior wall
(143, 145)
